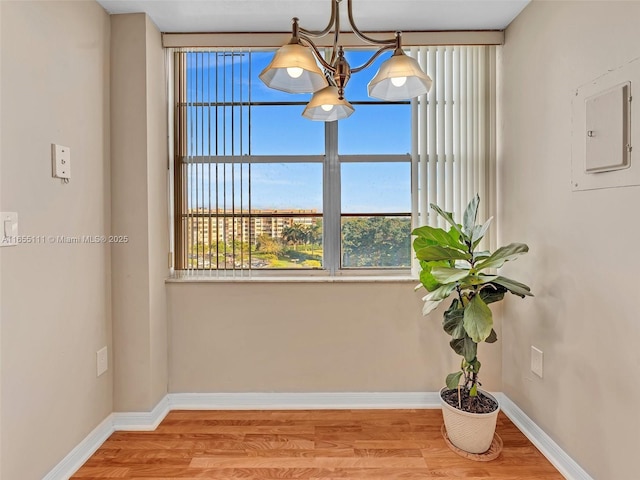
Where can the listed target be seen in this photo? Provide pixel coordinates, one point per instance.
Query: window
(256, 187)
(259, 187)
(376, 214)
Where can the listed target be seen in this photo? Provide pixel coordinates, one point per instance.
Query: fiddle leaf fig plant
(452, 265)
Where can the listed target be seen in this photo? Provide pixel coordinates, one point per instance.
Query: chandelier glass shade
(399, 78)
(294, 69)
(326, 106)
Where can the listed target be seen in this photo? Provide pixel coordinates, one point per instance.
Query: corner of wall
(139, 152)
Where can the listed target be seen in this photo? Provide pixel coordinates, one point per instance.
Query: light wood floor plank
(309, 462)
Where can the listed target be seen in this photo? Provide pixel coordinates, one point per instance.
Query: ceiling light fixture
(294, 69)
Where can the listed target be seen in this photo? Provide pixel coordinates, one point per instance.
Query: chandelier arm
(373, 57)
(322, 33)
(316, 53)
(336, 36)
(334, 50)
(361, 35)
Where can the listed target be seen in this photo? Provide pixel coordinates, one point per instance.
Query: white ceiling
(275, 15)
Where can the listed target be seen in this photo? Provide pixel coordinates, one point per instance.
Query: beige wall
(139, 199)
(157, 178)
(309, 337)
(1, 92)
(55, 298)
(582, 266)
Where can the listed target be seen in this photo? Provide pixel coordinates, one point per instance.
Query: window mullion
(331, 200)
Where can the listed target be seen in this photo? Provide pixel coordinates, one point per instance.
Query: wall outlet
(102, 361)
(61, 161)
(536, 361)
(8, 229)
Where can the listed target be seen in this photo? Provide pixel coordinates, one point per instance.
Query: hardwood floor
(312, 445)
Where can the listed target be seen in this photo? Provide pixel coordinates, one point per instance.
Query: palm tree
(294, 234)
(313, 234)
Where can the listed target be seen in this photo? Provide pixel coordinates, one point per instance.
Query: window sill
(297, 279)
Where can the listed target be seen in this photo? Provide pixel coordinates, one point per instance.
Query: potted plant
(452, 265)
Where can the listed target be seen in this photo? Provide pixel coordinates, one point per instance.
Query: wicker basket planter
(471, 432)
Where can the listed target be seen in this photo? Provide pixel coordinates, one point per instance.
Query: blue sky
(278, 130)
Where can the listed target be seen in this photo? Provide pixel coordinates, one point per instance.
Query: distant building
(205, 226)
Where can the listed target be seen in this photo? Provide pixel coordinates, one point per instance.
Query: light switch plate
(8, 229)
(102, 361)
(61, 161)
(536, 361)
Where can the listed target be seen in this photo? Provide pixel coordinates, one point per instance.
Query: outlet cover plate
(8, 229)
(61, 161)
(536, 361)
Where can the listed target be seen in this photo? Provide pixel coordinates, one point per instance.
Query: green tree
(240, 247)
(376, 242)
(314, 232)
(268, 245)
(294, 234)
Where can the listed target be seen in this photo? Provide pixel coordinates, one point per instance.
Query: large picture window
(257, 188)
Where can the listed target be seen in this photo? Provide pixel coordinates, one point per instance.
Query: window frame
(375, 158)
(332, 197)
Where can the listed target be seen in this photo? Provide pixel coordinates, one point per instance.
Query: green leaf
(448, 275)
(502, 255)
(492, 293)
(426, 278)
(429, 282)
(433, 299)
(478, 280)
(514, 287)
(470, 215)
(449, 218)
(465, 347)
(479, 232)
(429, 306)
(421, 242)
(478, 320)
(440, 293)
(475, 365)
(492, 338)
(452, 321)
(474, 390)
(453, 380)
(454, 233)
(435, 253)
(435, 236)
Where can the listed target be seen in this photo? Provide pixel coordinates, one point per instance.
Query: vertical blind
(454, 132)
(212, 189)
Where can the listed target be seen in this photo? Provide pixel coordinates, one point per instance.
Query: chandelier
(294, 69)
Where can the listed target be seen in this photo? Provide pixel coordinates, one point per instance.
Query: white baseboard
(566, 465)
(141, 421)
(146, 421)
(81, 453)
(299, 401)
